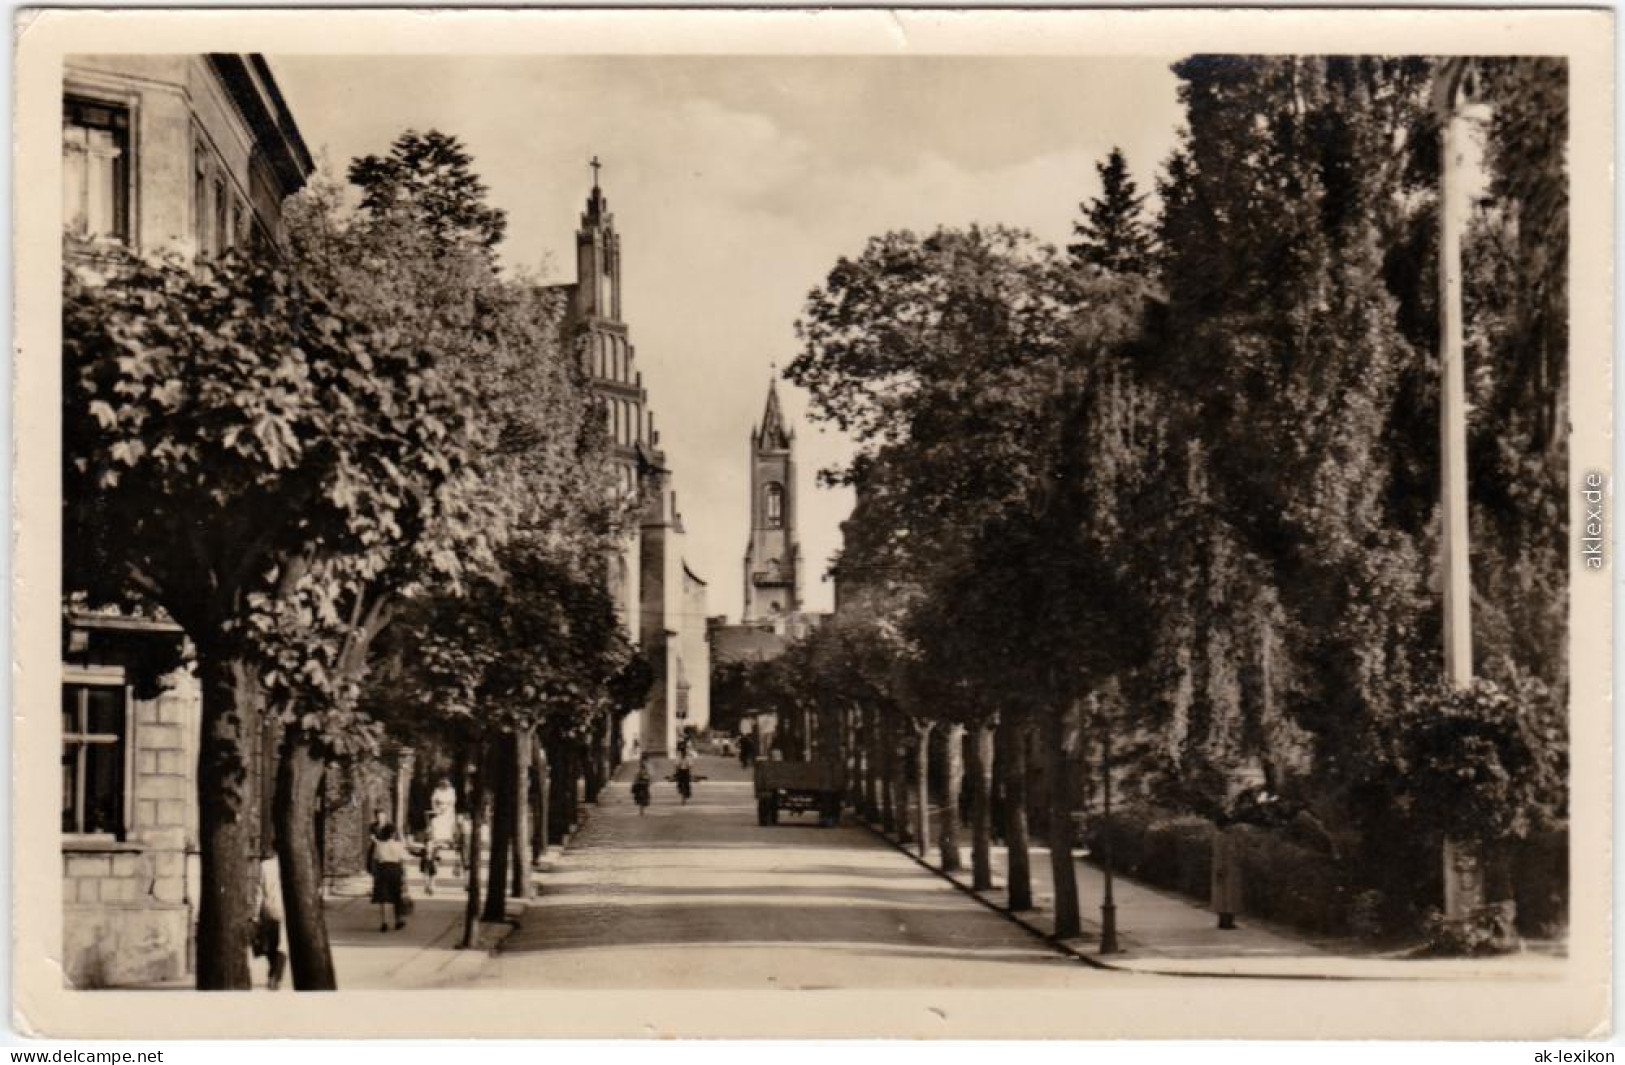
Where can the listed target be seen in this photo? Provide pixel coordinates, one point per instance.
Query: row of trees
(1168, 501)
(365, 473)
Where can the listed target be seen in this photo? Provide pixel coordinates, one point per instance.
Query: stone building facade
(193, 155)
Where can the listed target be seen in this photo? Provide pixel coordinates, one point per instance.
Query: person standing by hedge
(1227, 888)
(389, 877)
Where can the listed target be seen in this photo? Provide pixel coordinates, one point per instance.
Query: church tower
(772, 556)
(605, 344)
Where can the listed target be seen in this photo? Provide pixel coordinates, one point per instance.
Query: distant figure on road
(747, 750)
(685, 779)
(640, 786)
(389, 878)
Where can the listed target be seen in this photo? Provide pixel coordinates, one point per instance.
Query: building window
(200, 200)
(93, 746)
(775, 506)
(222, 218)
(96, 170)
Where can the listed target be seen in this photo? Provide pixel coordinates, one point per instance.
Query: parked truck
(798, 787)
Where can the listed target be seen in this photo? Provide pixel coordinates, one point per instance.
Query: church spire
(772, 555)
(774, 435)
(598, 257)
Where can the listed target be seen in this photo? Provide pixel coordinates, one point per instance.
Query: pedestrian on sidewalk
(640, 786)
(379, 820)
(685, 779)
(389, 878)
(266, 941)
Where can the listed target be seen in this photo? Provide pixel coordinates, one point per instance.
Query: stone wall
(126, 911)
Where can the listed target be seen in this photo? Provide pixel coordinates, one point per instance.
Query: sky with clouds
(736, 184)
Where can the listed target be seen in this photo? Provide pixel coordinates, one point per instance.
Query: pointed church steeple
(774, 434)
(772, 555)
(598, 257)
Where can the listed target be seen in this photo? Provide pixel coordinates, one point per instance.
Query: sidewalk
(424, 954)
(1164, 933)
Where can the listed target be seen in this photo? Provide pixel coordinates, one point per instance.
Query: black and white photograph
(1058, 522)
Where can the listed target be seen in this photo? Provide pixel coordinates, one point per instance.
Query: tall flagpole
(1463, 866)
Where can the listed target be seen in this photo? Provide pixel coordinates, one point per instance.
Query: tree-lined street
(700, 896)
(1159, 555)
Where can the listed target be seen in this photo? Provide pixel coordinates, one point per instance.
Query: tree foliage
(1113, 234)
(429, 178)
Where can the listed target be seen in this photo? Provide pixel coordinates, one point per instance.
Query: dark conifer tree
(1113, 234)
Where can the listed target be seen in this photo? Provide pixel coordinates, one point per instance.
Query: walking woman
(389, 877)
(640, 786)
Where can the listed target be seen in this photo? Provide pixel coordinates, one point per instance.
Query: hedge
(1303, 887)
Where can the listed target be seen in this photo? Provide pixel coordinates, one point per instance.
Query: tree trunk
(1012, 740)
(922, 761)
(852, 755)
(980, 758)
(476, 814)
(869, 725)
(886, 766)
(522, 827)
(953, 778)
(592, 764)
(558, 804)
(1067, 919)
(572, 785)
(544, 785)
(500, 764)
(903, 799)
(231, 713)
(300, 773)
(612, 747)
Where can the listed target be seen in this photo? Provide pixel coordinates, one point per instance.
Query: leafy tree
(1485, 764)
(1281, 351)
(965, 364)
(1113, 234)
(228, 432)
(418, 256)
(534, 642)
(1298, 238)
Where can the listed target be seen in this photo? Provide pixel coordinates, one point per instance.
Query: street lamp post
(1108, 904)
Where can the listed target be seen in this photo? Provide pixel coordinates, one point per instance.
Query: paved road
(700, 897)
